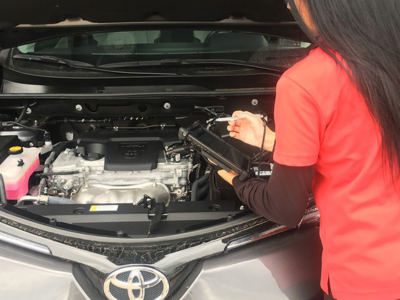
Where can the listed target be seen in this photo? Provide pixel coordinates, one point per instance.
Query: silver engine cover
(94, 185)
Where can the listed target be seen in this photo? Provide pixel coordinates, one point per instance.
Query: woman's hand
(249, 129)
(228, 177)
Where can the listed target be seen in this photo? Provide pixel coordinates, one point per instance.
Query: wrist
(269, 142)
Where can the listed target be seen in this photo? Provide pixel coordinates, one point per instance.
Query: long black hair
(366, 34)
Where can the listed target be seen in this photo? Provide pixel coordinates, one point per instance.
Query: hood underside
(25, 21)
(104, 11)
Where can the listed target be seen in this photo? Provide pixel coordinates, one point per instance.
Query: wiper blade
(82, 65)
(54, 59)
(187, 62)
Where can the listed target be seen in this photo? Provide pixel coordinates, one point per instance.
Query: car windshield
(100, 49)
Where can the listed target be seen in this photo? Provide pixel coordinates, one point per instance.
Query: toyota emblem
(135, 283)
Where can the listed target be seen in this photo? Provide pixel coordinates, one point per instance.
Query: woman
(337, 116)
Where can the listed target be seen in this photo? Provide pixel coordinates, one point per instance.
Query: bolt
(28, 111)
(167, 105)
(254, 102)
(241, 207)
(31, 144)
(69, 135)
(78, 107)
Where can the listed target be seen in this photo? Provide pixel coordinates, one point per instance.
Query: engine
(119, 170)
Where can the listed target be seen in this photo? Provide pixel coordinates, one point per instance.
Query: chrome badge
(136, 283)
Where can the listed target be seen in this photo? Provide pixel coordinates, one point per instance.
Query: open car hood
(39, 14)
(101, 11)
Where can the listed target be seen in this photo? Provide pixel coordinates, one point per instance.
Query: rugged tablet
(214, 148)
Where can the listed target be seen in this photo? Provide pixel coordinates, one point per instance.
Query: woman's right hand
(249, 129)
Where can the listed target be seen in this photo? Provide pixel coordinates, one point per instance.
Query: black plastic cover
(123, 153)
(132, 155)
(27, 137)
(5, 143)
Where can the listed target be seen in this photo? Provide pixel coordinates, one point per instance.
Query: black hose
(58, 173)
(196, 185)
(262, 147)
(51, 200)
(22, 115)
(59, 200)
(3, 197)
(60, 147)
(47, 163)
(203, 191)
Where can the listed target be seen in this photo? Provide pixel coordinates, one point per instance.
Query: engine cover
(123, 154)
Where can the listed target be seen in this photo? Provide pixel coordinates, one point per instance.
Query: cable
(23, 126)
(22, 115)
(3, 197)
(145, 127)
(57, 173)
(262, 147)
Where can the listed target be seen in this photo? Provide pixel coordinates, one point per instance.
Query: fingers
(234, 131)
(211, 162)
(236, 113)
(235, 135)
(233, 128)
(242, 116)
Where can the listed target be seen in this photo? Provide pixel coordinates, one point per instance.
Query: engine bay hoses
(47, 163)
(3, 197)
(23, 113)
(196, 184)
(45, 200)
(50, 159)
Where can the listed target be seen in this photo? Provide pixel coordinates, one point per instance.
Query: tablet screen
(218, 145)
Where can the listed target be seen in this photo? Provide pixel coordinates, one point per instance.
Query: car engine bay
(103, 165)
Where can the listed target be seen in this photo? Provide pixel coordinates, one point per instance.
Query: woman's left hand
(227, 176)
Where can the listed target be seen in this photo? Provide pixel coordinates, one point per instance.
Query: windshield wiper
(82, 65)
(54, 59)
(188, 62)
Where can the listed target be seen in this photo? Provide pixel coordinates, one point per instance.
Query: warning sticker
(104, 208)
(264, 173)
